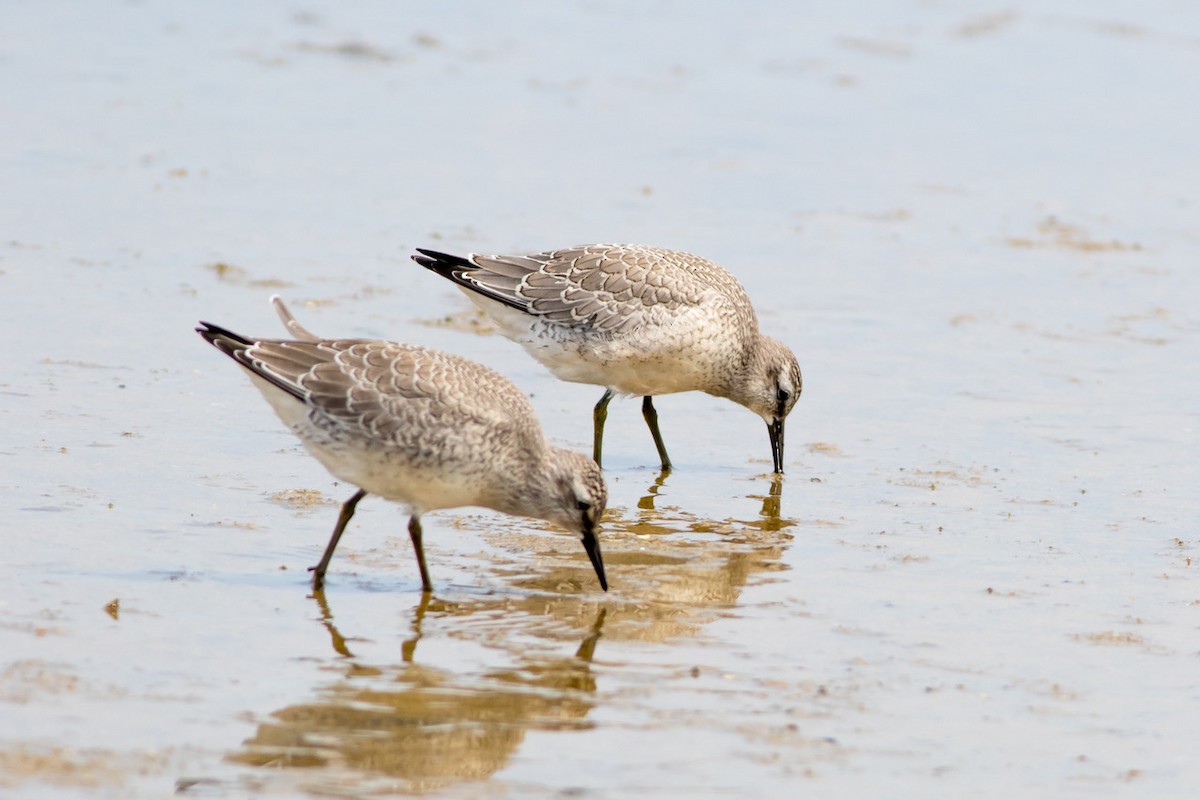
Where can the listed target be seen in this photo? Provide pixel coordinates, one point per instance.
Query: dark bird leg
(652, 420)
(599, 415)
(344, 517)
(414, 531)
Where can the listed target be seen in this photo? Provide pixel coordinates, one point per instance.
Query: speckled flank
(419, 427)
(636, 320)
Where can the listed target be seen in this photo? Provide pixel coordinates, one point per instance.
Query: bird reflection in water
(681, 565)
(646, 503)
(421, 725)
(772, 502)
(770, 515)
(410, 726)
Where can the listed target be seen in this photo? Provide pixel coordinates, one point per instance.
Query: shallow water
(976, 225)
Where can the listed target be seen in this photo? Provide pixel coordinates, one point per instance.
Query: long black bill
(775, 430)
(592, 545)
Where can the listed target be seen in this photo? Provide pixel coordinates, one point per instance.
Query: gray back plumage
(606, 288)
(391, 394)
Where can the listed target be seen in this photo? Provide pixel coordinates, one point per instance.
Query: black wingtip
(457, 269)
(237, 347)
(213, 333)
(442, 263)
(225, 340)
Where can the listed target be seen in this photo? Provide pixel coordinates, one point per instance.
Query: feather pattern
(635, 319)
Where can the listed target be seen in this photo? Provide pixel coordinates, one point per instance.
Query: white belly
(374, 468)
(659, 359)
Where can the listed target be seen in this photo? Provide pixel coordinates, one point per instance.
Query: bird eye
(584, 505)
(783, 396)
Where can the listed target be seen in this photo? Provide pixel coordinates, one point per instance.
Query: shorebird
(636, 320)
(420, 427)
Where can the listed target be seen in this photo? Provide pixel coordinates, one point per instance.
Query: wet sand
(975, 225)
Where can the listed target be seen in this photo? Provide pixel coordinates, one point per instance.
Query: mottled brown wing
(605, 288)
(387, 388)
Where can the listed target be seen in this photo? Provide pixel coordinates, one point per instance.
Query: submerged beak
(592, 545)
(775, 431)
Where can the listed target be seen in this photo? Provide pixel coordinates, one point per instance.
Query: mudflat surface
(976, 225)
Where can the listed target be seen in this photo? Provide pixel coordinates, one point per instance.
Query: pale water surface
(976, 223)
